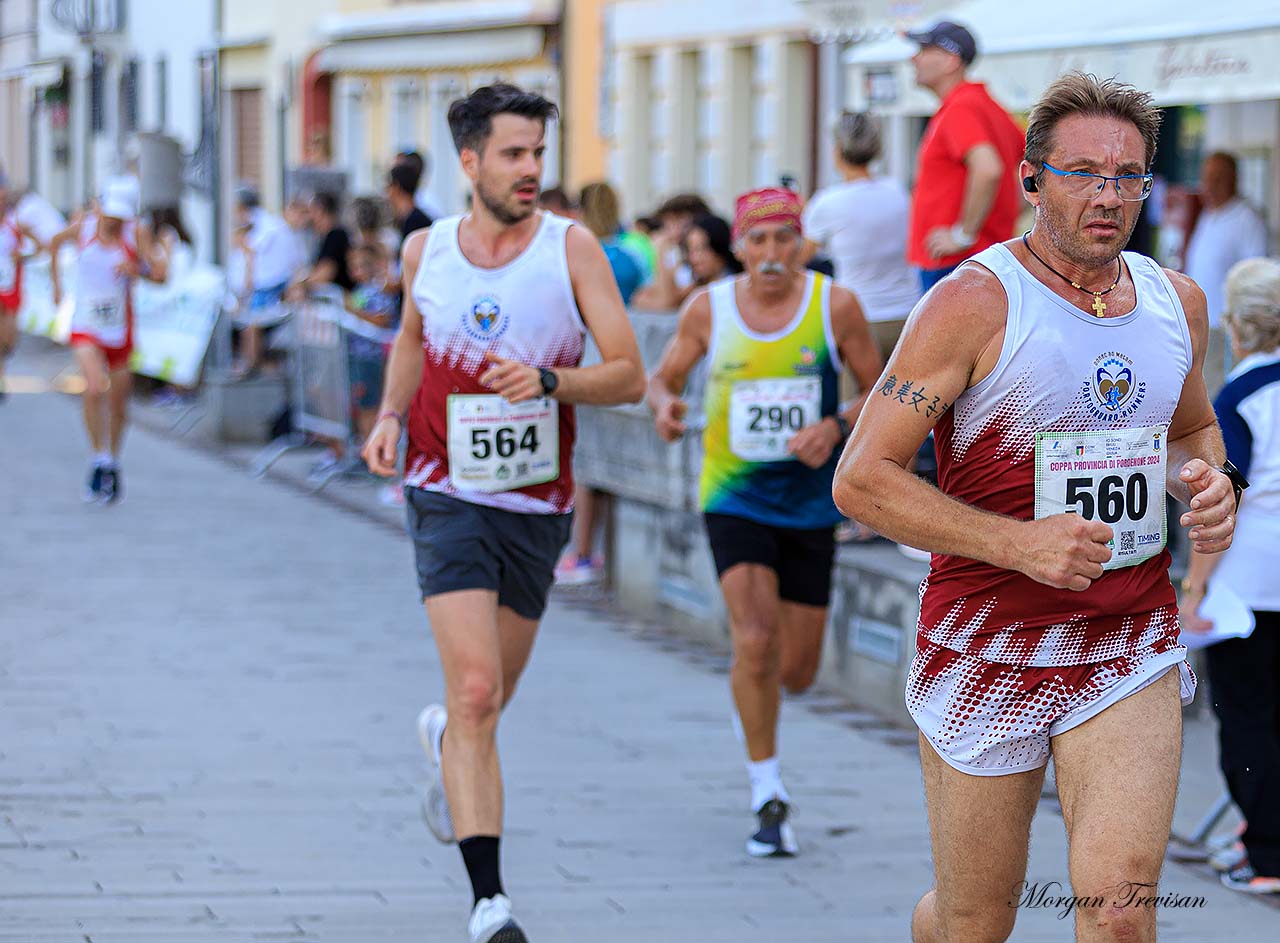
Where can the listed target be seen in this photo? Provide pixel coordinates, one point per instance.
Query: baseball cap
(119, 198)
(947, 35)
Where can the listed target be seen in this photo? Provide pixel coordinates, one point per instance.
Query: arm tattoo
(910, 393)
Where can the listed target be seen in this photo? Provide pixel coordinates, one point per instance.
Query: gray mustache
(773, 268)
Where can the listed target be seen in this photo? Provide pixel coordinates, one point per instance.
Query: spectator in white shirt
(862, 224)
(270, 261)
(1228, 231)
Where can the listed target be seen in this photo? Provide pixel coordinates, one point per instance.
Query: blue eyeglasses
(1133, 188)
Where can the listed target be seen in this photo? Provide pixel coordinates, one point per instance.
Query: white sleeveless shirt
(103, 296)
(1073, 417)
(523, 311)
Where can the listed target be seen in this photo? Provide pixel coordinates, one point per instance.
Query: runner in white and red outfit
(1063, 381)
(114, 251)
(13, 235)
(497, 306)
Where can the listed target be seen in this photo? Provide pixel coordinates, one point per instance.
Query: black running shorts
(801, 558)
(460, 545)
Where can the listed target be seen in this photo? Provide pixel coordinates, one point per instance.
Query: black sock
(480, 855)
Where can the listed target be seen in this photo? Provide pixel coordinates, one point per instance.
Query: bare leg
(1117, 779)
(587, 508)
(803, 629)
(118, 401)
(981, 827)
(251, 347)
(97, 383)
(8, 339)
(751, 594)
(483, 650)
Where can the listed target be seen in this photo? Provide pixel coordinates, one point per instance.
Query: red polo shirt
(967, 117)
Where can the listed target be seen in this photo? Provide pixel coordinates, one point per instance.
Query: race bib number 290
(764, 415)
(1116, 477)
(495, 446)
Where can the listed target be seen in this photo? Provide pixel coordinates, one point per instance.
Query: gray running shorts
(460, 545)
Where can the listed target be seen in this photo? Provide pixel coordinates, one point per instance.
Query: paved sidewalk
(207, 697)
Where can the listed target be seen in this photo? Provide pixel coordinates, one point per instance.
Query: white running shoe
(435, 804)
(775, 838)
(1229, 858)
(491, 922)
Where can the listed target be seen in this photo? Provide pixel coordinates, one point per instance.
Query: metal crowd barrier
(619, 450)
(319, 385)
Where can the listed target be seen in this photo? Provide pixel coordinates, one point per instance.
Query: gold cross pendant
(1099, 306)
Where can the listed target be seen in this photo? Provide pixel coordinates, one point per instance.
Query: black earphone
(1029, 184)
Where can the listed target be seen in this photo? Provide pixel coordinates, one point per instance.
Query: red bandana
(766, 205)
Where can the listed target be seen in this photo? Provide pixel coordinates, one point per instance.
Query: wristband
(961, 238)
(392, 414)
(1238, 481)
(842, 424)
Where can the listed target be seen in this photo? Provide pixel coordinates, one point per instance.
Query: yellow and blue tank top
(785, 493)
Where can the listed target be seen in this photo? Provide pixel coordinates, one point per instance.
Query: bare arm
(55, 244)
(952, 341)
(619, 377)
(404, 369)
(1196, 451)
(859, 353)
(687, 346)
(155, 258)
(985, 170)
(662, 294)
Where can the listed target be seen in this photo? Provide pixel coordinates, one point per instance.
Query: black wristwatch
(549, 381)
(1238, 481)
(842, 424)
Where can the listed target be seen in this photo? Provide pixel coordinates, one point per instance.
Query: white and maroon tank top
(1073, 416)
(10, 268)
(463, 440)
(103, 296)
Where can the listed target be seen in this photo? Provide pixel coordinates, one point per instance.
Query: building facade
(17, 52)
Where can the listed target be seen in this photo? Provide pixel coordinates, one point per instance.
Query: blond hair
(600, 210)
(1253, 305)
(1079, 94)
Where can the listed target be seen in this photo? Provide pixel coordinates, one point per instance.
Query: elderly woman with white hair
(1244, 673)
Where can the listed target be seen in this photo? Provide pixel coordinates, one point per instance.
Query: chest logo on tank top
(1114, 391)
(485, 320)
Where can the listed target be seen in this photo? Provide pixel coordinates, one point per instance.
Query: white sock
(766, 782)
(104, 459)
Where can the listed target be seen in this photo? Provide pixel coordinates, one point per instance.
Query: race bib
(765, 414)
(497, 446)
(106, 314)
(1116, 477)
(8, 273)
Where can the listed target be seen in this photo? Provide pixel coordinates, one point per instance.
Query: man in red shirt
(966, 197)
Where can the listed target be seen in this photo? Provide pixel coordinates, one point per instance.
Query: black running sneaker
(93, 487)
(111, 485)
(775, 838)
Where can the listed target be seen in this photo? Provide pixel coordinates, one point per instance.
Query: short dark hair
(689, 204)
(471, 118)
(247, 197)
(403, 178)
(555, 199)
(327, 201)
(368, 212)
(414, 160)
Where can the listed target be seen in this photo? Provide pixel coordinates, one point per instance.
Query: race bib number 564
(495, 446)
(1117, 477)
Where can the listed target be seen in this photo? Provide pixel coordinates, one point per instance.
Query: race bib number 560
(1117, 477)
(497, 446)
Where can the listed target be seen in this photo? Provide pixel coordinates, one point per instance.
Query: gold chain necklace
(1099, 308)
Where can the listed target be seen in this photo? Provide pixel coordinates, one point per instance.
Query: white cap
(120, 198)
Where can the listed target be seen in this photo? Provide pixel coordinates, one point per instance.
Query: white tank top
(10, 240)
(523, 311)
(103, 302)
(1076, 408)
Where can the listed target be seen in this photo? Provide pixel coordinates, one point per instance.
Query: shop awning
(44, 74)
(1182, 52)
(433, 51)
